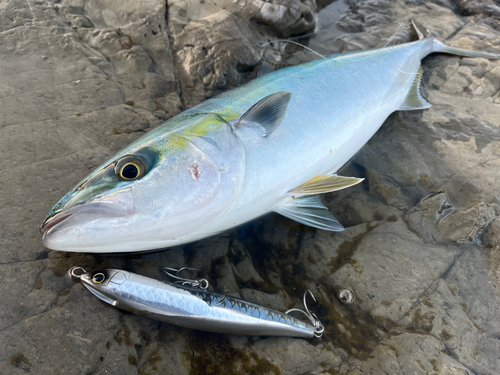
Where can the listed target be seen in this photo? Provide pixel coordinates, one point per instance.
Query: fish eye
(98, 278)
(130, 168)
(130, 171)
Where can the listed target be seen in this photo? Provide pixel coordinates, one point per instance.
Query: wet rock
(467, 224)
(474, 7)
(81, 79)
(306, 357)
(226, 280)
(491, 241)
(136, 42)
(171, 104)
(388, 190)
(284, 18)
(217, 47)
(161, 351)
(245, 271)
(436, 219)
(382, 260)
(471, 286)
(423, 217)
(200, 254)
(211, 45)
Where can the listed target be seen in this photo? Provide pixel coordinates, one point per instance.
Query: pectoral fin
(413, 98)
(266, 115)
(309, 210)
(325, 184)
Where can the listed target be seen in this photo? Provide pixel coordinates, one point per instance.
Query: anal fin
(413, 98)
(325, 184)
(309, 210)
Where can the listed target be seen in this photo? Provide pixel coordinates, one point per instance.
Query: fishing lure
(191, 305)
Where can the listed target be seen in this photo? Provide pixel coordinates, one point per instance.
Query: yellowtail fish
(271, 145)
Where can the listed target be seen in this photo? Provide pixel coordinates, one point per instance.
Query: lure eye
(130, 168)
(98, 278)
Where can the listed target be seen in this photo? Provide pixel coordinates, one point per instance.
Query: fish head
(152, 194)
(104, 284)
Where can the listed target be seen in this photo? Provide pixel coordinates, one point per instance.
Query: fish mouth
(115, 204)
(52, 221)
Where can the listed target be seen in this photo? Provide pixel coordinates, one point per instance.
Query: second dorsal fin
(413, 98)
(266, 115)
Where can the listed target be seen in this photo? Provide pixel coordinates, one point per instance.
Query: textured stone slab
(80, 79)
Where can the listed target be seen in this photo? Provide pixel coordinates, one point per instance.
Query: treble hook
(318, 326)
(201, 283)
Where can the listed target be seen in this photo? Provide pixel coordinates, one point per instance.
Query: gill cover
(166, 184)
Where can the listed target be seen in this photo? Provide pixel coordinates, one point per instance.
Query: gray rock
(423, 217)
(435, 219)
(214, 49)
(491, 241)
(246, 272)
(469, 8)
(226, 280)
(467, 224)
(284, 18)
(217, 48)
(80, 79)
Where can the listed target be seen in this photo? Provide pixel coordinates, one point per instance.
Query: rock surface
(79, 79)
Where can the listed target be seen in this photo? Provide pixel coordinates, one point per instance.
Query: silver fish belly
(192, 307)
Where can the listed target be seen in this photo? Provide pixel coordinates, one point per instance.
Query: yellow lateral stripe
(207, 123)
(325, 184)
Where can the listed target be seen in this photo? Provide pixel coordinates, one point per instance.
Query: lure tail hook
(318, 326)
(201, 283)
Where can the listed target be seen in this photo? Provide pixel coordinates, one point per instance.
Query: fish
(193, 307)
(270, 145)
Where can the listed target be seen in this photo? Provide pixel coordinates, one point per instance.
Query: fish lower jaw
(109, 247)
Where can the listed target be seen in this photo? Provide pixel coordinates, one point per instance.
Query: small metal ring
(75, 275)
(203, 283)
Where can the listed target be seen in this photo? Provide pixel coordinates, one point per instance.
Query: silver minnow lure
(193, 307)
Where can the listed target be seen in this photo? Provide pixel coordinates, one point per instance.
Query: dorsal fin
(325, 184)
(309, 210)
(420, 29)
(266, 115)
(413, 98)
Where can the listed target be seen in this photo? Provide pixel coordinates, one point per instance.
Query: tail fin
(438, 46)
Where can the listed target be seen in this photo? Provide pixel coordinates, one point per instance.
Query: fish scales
(270, 145)
(245, 307)
(309, 119)
(191, 307)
